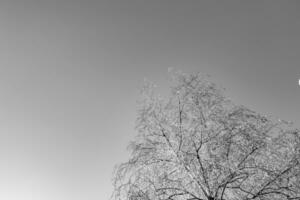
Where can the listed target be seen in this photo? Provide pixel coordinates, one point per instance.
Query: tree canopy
(199, 145)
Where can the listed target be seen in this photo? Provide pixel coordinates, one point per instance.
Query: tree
(199, 145)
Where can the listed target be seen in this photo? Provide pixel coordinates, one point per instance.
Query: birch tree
(199, 145)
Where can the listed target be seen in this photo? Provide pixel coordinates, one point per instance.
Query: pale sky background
(70, 73)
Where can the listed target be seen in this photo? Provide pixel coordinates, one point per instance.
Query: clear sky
(70, 73)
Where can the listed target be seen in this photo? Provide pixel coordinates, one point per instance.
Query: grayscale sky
(70, 73)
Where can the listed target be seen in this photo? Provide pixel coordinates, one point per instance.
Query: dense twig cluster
(198, 145)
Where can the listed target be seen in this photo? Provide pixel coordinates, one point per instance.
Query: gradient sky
(70, 73)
